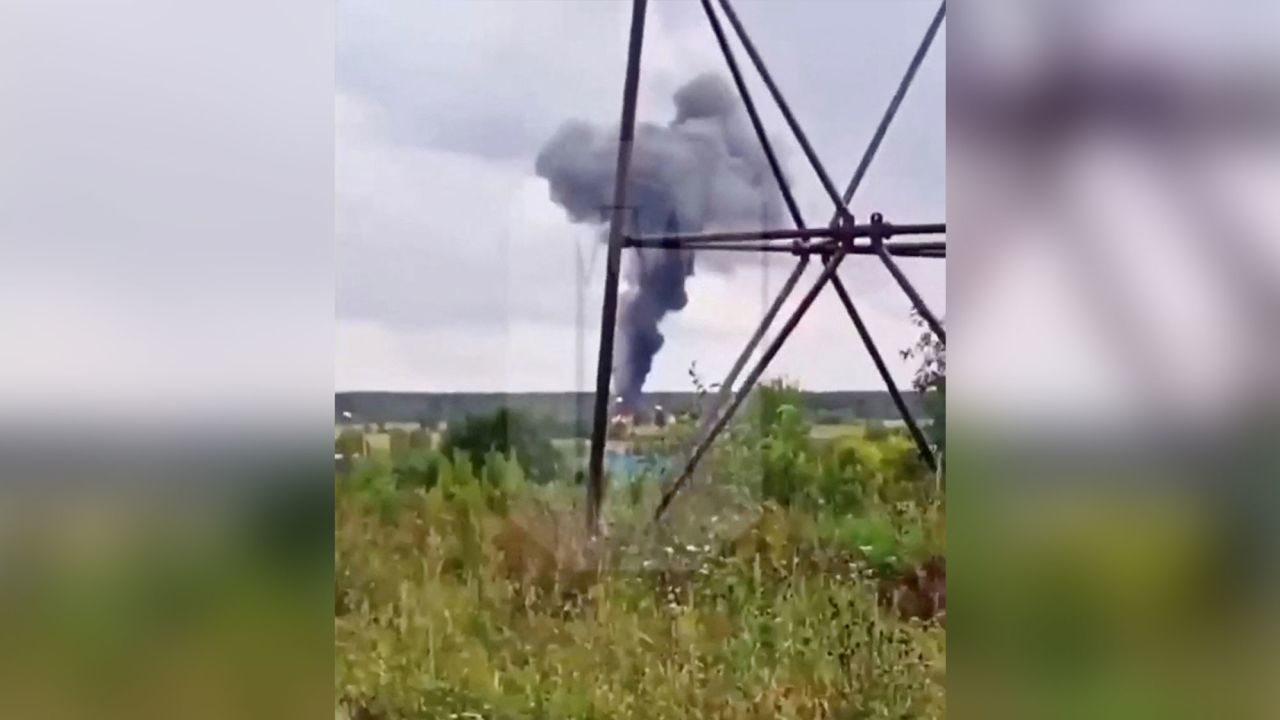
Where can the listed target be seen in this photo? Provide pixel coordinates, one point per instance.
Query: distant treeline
(570, 413)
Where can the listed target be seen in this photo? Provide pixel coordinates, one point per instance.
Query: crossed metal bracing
(839, 238)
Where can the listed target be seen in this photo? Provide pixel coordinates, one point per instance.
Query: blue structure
(624, 467)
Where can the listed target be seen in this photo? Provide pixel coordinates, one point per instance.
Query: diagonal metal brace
(722, 418)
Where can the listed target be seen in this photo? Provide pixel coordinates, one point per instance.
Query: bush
(462, 590)
(507, 433)
(935, 404)
(421, 439)
(421, 468)
(763, 411)
(349, 443)
(398, 440)
(480, 598)
(876, 430)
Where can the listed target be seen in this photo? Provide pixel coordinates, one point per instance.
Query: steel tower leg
(613, 263)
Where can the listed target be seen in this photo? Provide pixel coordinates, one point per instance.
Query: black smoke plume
(703, 171)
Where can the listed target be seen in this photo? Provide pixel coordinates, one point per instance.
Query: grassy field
(799, 580)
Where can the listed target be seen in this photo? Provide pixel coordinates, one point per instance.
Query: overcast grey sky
(168, 199)
(455, 271)
(165, 208)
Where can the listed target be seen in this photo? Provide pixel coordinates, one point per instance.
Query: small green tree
(773, 429)
(509, 433)
(349, 443)
(421, 468)
(765, 409)
(930, 378)
(875, 430)
(420, 439)
(398, 439)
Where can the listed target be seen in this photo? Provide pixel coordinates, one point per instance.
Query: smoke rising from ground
(703, 171)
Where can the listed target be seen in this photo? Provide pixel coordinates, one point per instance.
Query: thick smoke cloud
(703, 171)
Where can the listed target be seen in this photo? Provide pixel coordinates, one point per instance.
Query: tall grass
(466, 591)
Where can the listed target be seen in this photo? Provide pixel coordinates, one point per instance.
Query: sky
(165, 210)
(345, 198)
(456, 271)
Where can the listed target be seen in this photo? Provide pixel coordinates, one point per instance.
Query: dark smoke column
(703, 171)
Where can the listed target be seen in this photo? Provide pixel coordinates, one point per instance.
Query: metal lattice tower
(839, 238)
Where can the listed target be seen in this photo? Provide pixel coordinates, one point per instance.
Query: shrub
(420, 438)
(764, 407)
(398, 443)
(420, 468)
(479, 598)
(935, 404)
(462, 590)
(349, 443)
(876, 430)
(507, 433)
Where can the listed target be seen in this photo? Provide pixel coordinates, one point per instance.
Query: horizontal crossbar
(794, 247)
(868, 230)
